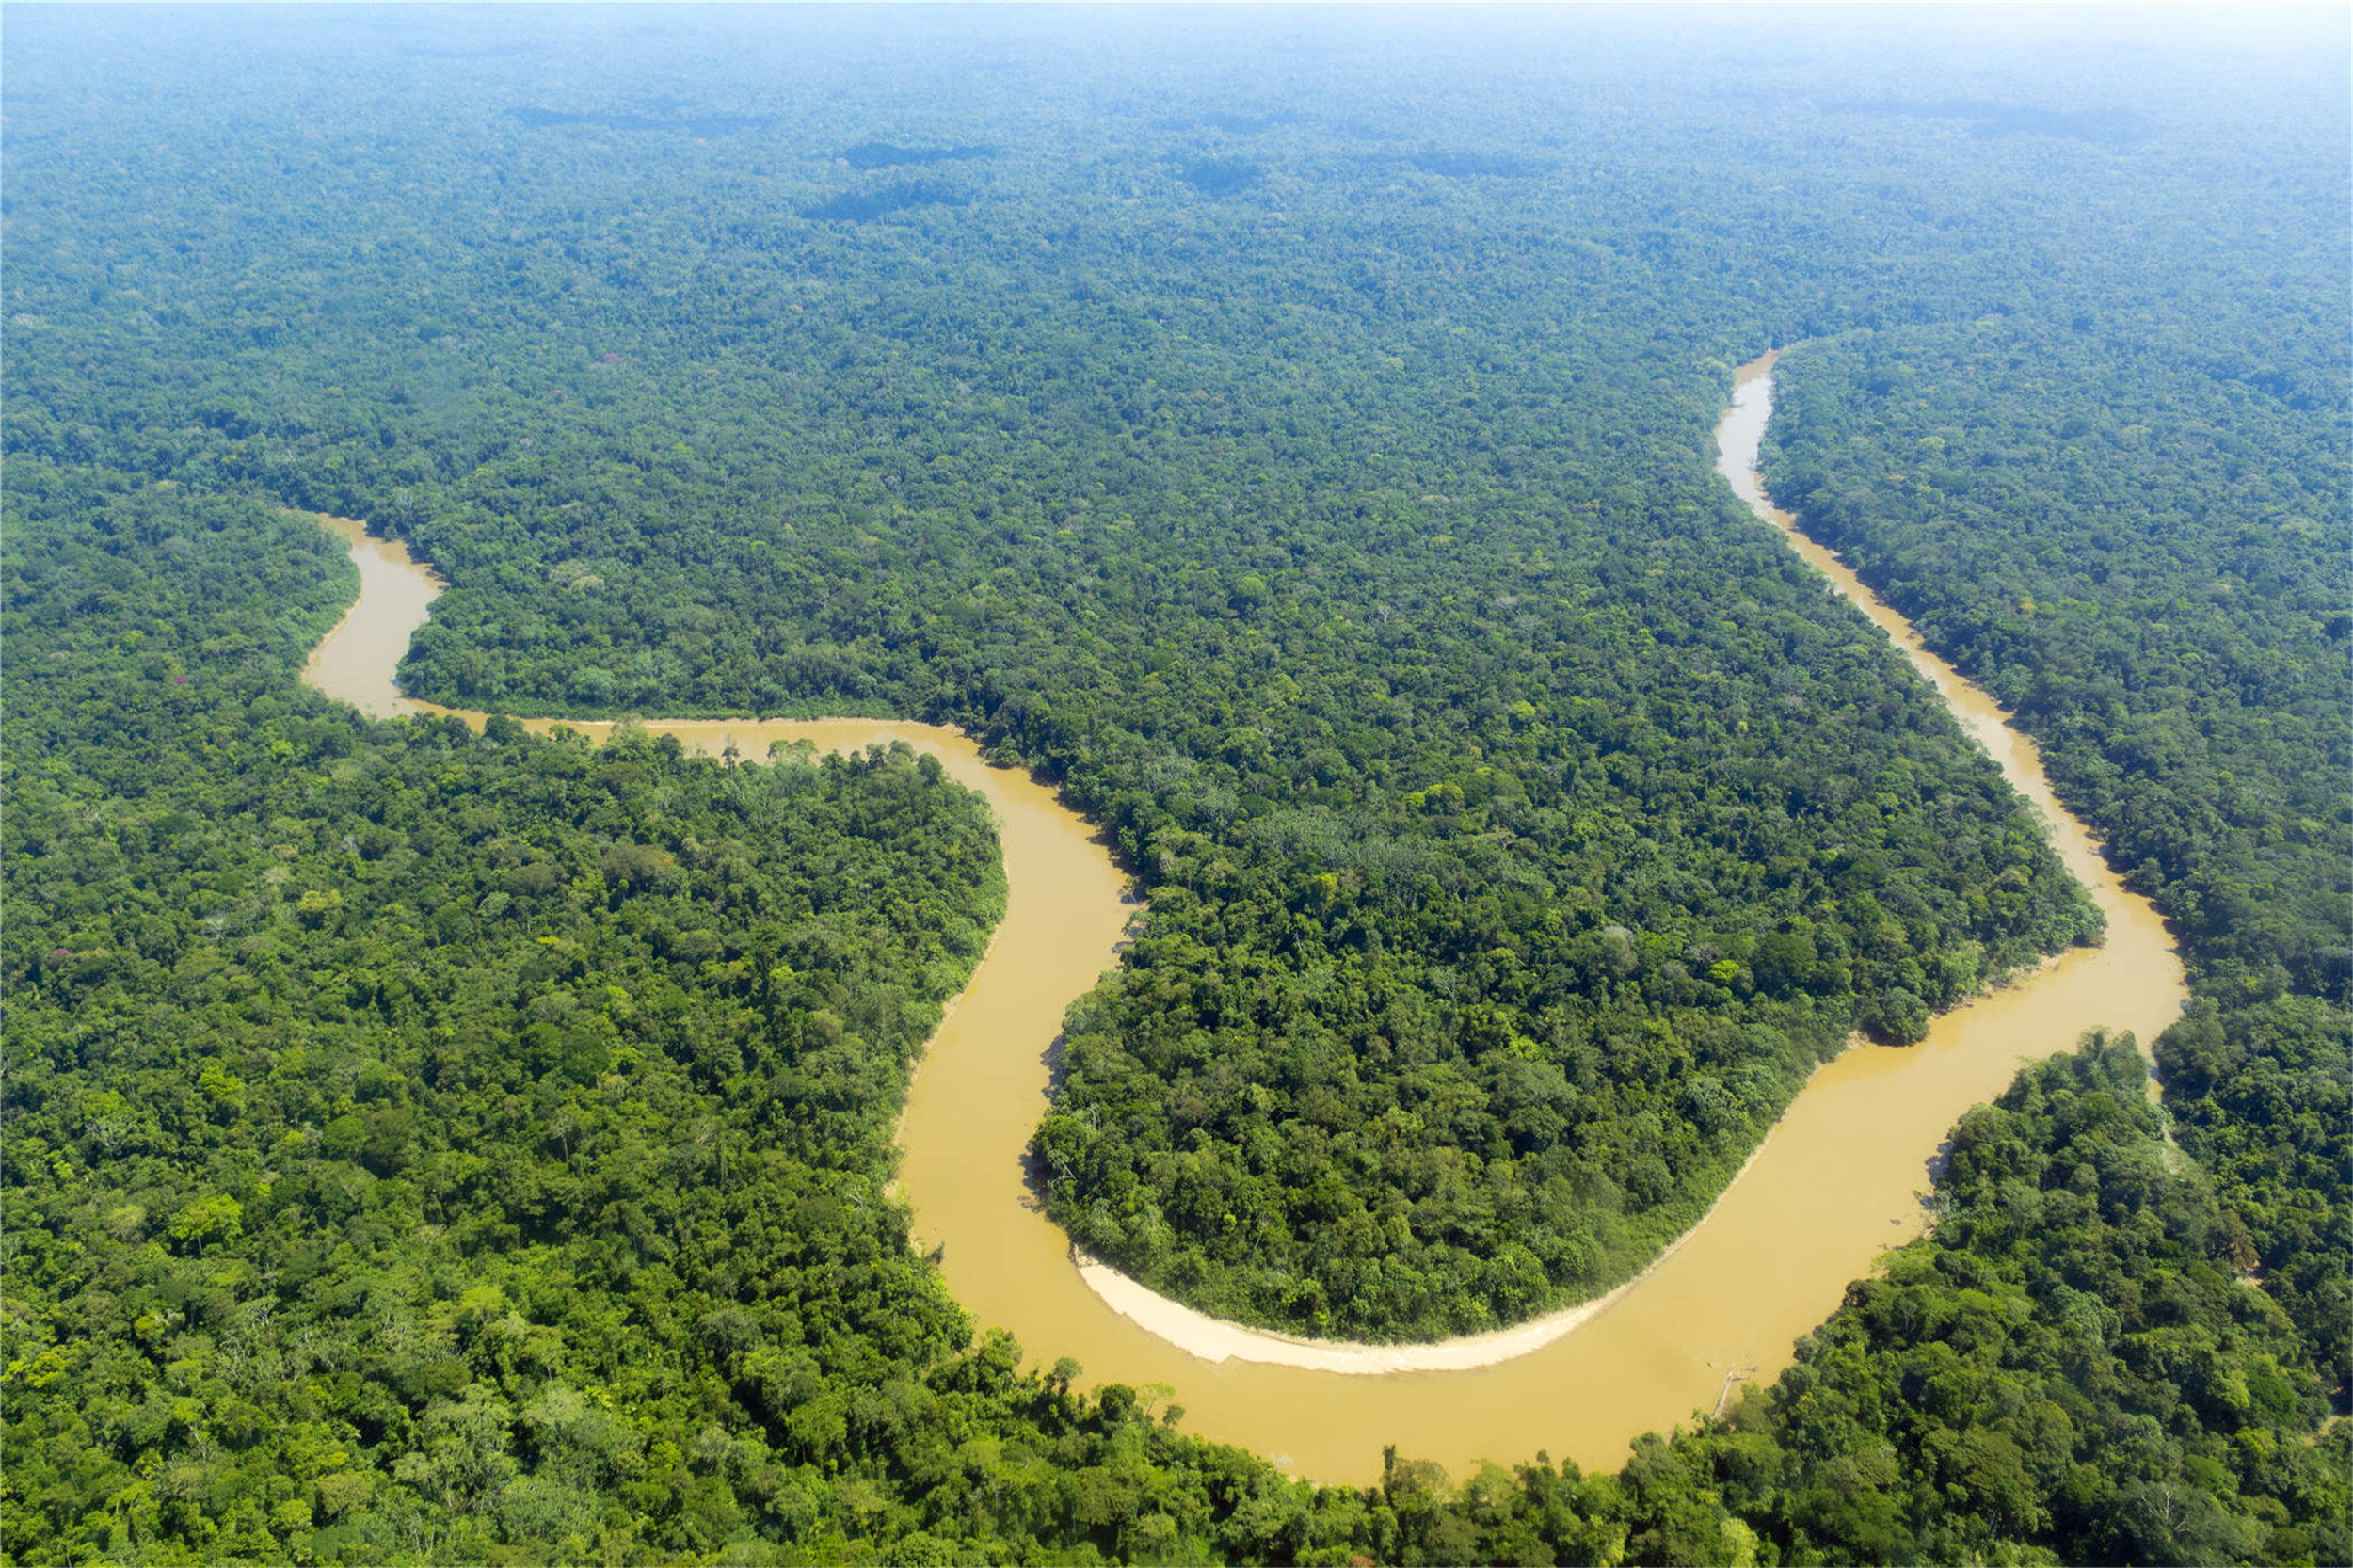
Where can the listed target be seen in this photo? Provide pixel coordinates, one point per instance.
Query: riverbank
(1215, 1339)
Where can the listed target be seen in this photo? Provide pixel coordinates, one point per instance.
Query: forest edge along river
(1832, 1185)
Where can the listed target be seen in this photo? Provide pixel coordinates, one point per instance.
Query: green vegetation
(426, 1137)
(1519, 824)
(534, 1228)
(2072, 1365)
(2142, 554)
(422, 1146)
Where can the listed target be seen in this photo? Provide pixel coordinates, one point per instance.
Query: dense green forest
(1519, 824)
(2140, 548)
(436, 1147)
(431, 1146)
(416, 1132)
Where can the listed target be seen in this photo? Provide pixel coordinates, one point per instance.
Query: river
(1835, 1183)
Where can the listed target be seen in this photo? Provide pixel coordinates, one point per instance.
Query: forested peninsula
(425, 1145)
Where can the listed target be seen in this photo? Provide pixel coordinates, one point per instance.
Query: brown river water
(1837, 1182)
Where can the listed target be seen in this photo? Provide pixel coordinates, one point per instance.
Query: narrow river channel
(1835, 1183)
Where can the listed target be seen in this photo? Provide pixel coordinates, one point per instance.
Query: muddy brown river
(1837, 1182)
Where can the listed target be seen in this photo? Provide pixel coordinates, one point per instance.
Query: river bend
(1837, 1182)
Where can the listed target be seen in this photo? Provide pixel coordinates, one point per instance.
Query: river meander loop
(1837, 1182)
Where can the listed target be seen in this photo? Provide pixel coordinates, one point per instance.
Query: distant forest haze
(1289, 433)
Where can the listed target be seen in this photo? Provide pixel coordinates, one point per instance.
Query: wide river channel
(1837, 1181)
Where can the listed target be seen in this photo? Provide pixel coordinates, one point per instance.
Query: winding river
(1837, 1182)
